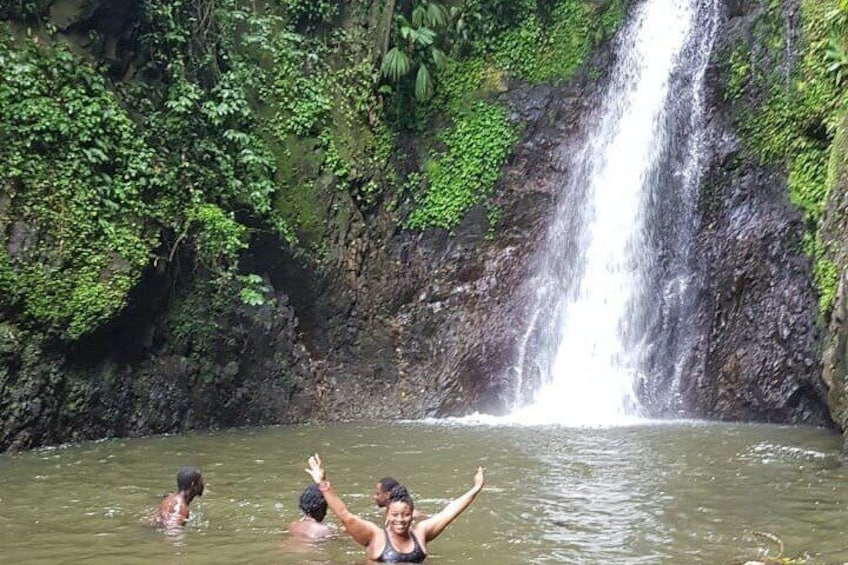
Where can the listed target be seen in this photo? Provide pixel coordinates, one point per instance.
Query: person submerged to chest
(397, 541)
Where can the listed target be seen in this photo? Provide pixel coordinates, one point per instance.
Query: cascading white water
(588, 339)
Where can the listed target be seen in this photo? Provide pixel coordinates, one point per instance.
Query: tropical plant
(463, 20)
(836, 54)
(837, 59)
(417, 49)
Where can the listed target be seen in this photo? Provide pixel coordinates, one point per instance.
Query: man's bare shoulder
(310, 530)
(171, 511)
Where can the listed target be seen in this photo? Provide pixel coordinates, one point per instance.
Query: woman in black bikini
(399, 541)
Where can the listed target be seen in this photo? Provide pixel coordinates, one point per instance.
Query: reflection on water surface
(654, 493)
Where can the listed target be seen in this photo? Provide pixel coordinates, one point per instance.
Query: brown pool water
(654, 493)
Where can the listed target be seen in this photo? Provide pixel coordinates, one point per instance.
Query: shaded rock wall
(113, 384)
(834, 233)
(758, 357)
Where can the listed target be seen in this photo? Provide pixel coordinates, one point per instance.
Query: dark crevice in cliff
(136, 332)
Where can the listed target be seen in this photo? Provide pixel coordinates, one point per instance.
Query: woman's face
(399, 517)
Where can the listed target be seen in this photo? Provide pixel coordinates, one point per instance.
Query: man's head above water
(190, 482)
(312, 503)
(382, 489)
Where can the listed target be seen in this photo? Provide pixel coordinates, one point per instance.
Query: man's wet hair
(312, 503)
(400, 494)
(187, 476)
(387, 484)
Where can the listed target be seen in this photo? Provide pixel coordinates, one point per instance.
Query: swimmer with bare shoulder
(173, 510)
(399, 541)
(310, 526)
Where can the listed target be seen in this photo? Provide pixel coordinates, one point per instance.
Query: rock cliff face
(758, 356)
(449, 315)
(455, 325)
(428, 322)
(124, 381)
(834, 231)
(401, 324)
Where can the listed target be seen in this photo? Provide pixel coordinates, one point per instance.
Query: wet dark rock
(834, 233)
(21, 239)
(759, 341)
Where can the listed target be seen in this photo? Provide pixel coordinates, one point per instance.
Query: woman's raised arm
(362, 531)
(435, 524)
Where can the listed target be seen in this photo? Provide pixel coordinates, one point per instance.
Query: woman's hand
(316, 468)
(479, 480)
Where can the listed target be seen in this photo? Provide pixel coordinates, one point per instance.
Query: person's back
(309, 530)
(173, 510)
(310, 526)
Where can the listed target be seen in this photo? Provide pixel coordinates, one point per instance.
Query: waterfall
(607, 337)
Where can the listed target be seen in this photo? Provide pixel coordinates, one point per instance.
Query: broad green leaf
(396, 64)
(423, 84)
(423, 36)
(439, 58)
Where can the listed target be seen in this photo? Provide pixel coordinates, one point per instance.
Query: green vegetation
(78, 178)
(523, 40)
(194, 325)
(416, 50)
(101, 180)
(739, 68)
(836, 49)
(797, 122)
(241, 119)
(466, 169)
(552, 48)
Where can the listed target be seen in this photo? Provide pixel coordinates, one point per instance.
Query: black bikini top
(392, 555)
